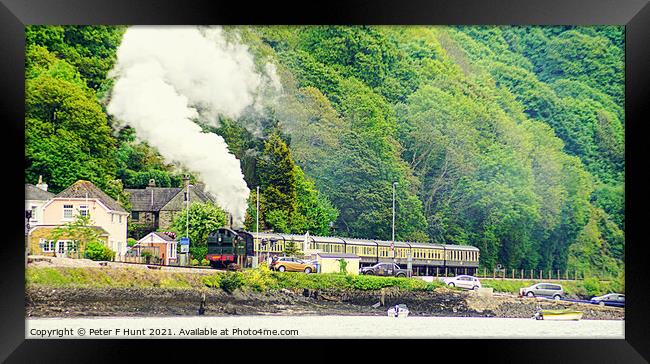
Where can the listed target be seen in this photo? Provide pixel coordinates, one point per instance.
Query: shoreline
(44, 301)
(115, 290)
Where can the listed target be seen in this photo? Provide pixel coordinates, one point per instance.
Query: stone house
(84, 198)
(35, 198)
(153, 208)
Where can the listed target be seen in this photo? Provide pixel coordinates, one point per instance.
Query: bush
(131, 242)
(259, 279)
(231, 281)
(205, 262)
(212, 281)
(96, 250)
(508, 286)
(591, 287)
(194, 262)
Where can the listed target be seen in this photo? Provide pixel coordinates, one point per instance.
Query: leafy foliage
(203, 219)
(96, 250)
(81, 231)
(510, 139)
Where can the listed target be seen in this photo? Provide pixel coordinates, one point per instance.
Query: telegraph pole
(187, 220)
(186, 179)
(257, 217)
(392, 246)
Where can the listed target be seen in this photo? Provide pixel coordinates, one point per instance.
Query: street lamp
(28, 216)
(186, 180)
(392, 245)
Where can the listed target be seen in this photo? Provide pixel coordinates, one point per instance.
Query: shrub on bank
(212, 281)
(95, 250)
(507, 286)
(259, 279)
(231, 281)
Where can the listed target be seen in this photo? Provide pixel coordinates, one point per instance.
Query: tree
(81, 232)
(66, 133)
(204, 218)
(292, 249)
(277, 177)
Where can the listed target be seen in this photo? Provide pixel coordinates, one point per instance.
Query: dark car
(612, 299)
(385, 269)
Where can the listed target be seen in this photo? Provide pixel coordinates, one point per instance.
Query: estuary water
(319, 327)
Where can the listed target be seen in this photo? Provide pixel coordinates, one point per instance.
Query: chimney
(152, 183)
(42, 185)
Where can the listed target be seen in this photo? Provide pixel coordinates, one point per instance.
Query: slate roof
(86, 189)
(163, 236)
(338, 255)
(141, 199)
(34, 193)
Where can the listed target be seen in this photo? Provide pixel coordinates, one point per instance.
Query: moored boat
(559, 315)
(398, 311)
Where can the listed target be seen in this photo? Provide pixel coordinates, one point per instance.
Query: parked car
(611, 299)
(291, 264)
(550, 290)
(385, 269)
(463, 281)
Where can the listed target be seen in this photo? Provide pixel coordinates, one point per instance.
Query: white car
(463, 281)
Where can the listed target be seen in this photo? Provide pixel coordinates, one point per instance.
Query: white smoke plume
(168, 77)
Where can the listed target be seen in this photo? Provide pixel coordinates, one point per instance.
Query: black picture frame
(634, 14)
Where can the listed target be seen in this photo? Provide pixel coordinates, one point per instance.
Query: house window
(61, 247)
(47, 246)
(71, 246)
(34, 213)
(67, 211)
(135, 215)
(112, 218)
(119, 219)
(83, 210)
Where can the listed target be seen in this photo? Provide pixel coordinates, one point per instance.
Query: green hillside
(510, 139)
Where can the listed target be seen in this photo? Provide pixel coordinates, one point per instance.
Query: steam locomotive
(227, 246)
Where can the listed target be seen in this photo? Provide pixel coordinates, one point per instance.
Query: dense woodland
(510, 139)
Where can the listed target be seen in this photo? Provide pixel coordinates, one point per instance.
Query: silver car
(463, 281)
(551, 290)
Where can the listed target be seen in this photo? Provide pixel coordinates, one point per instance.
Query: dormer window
(83, 210)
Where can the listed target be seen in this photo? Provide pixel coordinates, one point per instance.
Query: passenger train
(227, 245)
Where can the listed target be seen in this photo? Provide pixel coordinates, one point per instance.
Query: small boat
(558, 315)
(398, 311)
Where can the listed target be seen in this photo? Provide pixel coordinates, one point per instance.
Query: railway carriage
(461, 257)
(365, 249)
(226, 245)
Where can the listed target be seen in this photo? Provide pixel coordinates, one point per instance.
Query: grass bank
(260, 279)
(585, 289)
